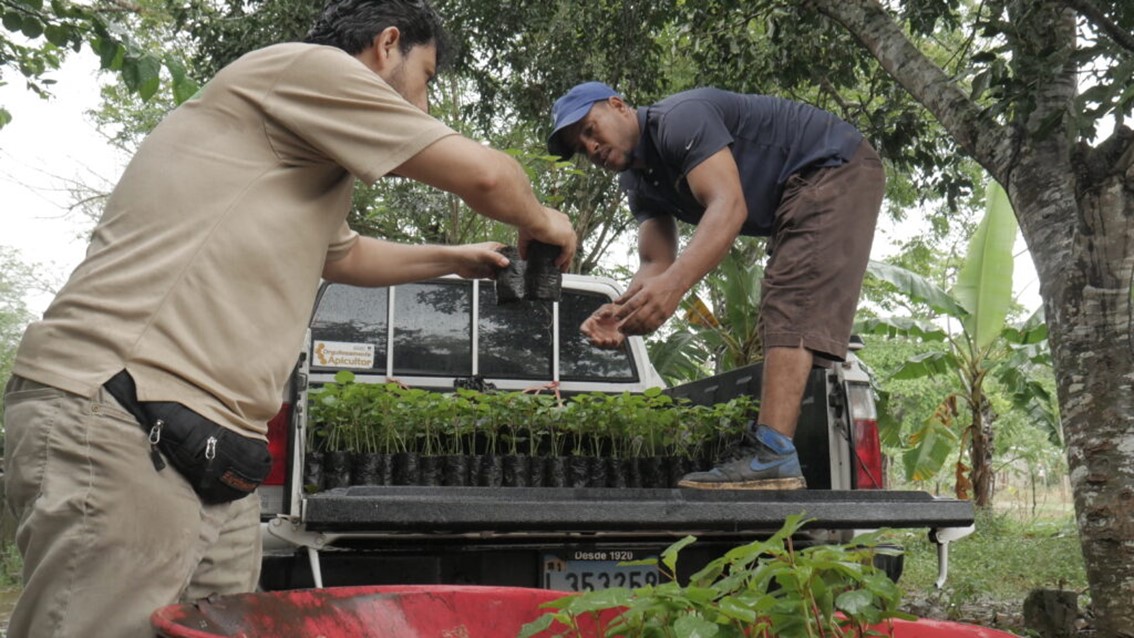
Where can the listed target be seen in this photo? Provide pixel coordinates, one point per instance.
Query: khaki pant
(106, 539)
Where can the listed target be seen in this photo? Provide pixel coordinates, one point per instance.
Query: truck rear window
(515, 339)
(433, 329)
(578, 359)
(354, 316)
(433, 334)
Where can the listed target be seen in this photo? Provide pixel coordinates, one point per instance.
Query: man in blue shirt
(737, 164)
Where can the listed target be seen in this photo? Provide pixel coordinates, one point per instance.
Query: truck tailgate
(475, 509)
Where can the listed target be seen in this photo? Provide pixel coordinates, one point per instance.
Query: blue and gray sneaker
(765, 460)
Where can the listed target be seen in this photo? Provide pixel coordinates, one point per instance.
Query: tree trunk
(1088, 299)
(981, 451)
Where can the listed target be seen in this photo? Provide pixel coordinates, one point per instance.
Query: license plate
(586, 570)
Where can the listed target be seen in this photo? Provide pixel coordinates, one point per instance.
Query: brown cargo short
(819, 249)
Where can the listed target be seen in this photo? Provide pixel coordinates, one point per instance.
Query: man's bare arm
(716, 184)
(494, 185)
(657, 250)
(374, 262)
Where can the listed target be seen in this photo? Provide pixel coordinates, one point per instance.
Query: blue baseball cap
(572, 107)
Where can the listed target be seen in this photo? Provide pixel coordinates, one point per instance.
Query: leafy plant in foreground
(764, 589)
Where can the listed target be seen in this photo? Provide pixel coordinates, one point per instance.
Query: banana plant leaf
(916, 288)
(984, 285)
(1032, 331)
(935, 443)
(927, 365)
(900, 326)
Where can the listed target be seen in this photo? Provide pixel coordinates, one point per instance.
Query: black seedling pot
(543, 281)
(510, 280)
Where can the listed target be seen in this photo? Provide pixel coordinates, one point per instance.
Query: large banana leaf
(927, 365)
(916, 288)
(678, 357)
(932, 446)
(1032, 331)
(1033, 398)
(984, 285)
(741, 290)
(900, 326)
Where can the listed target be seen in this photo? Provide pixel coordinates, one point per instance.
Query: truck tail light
(866, 446)
(277, 445)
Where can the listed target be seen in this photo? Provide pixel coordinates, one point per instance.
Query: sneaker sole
(796, 483)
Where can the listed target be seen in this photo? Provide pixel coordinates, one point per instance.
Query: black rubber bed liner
(471, 509)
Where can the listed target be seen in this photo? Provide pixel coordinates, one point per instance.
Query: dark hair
(352, 25)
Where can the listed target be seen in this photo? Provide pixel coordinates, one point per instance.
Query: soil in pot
(516, 470)
(578, 471)
(653, 471)
(510, 280)
(491, 471)
(598, 467)
(543, 279)
(555, 471)
(429, 471)
(616, 472)
(336, 469)
(631, 472)
(364, 468)
(456, 470)
(313, 472)
(536, 470)
(405, 468)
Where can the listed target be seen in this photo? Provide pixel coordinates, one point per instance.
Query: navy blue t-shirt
(771, 139)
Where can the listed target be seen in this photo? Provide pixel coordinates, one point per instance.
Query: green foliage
(722, 333)
(11, 565)
(985, 350)
(40, 35)
(387, 418)
(785, 48)
(762, 589)
(17, 279)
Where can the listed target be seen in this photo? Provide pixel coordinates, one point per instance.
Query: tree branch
(1097, 17)
(985, 140)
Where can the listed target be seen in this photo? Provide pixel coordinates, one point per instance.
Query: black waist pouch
(220, 464)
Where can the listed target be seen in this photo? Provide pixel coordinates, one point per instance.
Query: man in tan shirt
(198, 283)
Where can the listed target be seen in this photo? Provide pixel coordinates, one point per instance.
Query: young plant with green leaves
(979, 348)
(764, 589)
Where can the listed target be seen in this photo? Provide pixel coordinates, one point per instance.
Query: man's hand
(647, 305)
(479, 261)
(602, 328)
(555, 229)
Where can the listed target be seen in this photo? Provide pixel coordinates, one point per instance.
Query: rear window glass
(433, 328)
(515, 338)
(433, 334)
(350, 322)
(578, 359)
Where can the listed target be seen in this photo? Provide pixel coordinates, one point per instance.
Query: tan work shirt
(200, 277)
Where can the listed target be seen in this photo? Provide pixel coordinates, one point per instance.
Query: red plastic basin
(408, 611)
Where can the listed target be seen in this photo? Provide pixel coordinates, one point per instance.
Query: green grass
(10, 565)
(995, 567)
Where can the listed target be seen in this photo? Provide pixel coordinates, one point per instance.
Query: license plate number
(591, 570)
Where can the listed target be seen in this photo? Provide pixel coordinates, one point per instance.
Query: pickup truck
(451, 333)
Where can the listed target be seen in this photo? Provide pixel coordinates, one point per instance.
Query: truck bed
(506, 510)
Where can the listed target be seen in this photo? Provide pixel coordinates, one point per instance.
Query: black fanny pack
(220, 464)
